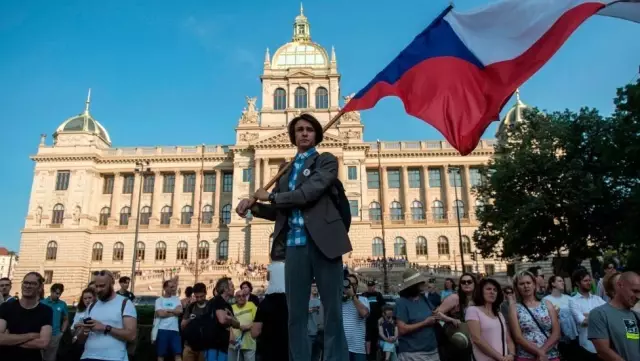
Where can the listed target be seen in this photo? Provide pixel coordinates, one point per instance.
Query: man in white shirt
(580, 305)
(111, 323)
(355, 310)
(168, 311)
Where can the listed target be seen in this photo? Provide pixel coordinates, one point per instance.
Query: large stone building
(84, 203)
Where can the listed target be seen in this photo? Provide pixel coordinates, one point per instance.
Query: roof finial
(518, 96)
(87, 103)
(333, 54)
(301, 9)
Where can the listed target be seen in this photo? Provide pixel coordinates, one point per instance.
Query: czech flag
(461, 70)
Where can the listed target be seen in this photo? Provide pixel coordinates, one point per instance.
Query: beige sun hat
(411, 277)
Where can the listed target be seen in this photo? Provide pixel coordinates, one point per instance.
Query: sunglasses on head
(466, 282)
(103, 273)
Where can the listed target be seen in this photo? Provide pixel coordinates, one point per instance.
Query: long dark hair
(81, 306)
(453, 283)
(552, 279)
(463, 300)
(478, 294)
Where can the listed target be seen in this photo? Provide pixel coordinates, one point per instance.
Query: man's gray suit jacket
(311, 195)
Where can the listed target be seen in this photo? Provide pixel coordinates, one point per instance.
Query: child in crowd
(388, 333)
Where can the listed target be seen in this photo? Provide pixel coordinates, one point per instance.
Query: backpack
(339, 199)
(201, 330)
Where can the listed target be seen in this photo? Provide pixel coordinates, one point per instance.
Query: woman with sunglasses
(534, 324)
(452, 311)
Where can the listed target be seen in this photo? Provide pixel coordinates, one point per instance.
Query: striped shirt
(297, 235)
(354, 325)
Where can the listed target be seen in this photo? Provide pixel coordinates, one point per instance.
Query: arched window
(140, 251)
(207, 214)
(165, 215)
(226, 214)
(58, 214)
(161, 251)
(223, 250)
(396, 211)
(322, 98)
(186, 214)
(375, 213)
(280, 99)
(145, 214)
(96, 252)
(183, 251)
(376, 247)
(105, 213)
(400, 247)
(479, 206)
(118, 251)
(417, 212)
(437, 208)
(421, 246)
(443, 245)
(458, 207)
(300, 98)
(203, 250)
(52, 251)
(125, 213)
(466, 245)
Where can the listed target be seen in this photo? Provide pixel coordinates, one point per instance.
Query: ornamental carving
(350, 117)
(247, 137)
(351, 134)
(249, 113)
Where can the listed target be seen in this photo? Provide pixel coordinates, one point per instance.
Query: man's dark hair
(165, 284)
(314, 123)
(200, 288)
(5, 279)
(38, 275)
(188, 291)
(222, 285)
(248, 284)
(535, 270)
(57, 287)
(578, 275)
(124, 279)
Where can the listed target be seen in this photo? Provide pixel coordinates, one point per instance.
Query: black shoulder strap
(504, 347)
(90, 308)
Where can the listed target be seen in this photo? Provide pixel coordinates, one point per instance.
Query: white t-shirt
(106, 347)
(561, 302)
(168, 303)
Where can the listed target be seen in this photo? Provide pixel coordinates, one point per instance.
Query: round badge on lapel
(306, 172)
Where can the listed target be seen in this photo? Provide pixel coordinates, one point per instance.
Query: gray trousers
(302, 264)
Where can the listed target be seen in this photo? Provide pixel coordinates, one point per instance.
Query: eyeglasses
(30, 284)
(466, 282)
(103, 273)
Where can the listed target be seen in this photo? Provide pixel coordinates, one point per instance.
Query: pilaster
(156, 200)
(425, 193)
(405, 193)
(445, 192)
(176, 207)
(118, 180)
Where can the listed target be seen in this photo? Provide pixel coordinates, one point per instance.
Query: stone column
(405, 193)
(176, 207)
(257, 182)
(156, 200)
(134, 198)
(118, 179)
(445, 192)
(342, 170)
(218, 207)
(466, 190)
(425, 193)
(196, 198)
(265, 171)
(364, 195)
(384, 191)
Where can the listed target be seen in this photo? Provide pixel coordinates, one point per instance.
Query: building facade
(8, 263)
(88, 196)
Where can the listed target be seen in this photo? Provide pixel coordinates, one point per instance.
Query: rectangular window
(48, 277)
(188, 183)
(394, 178)
(373, 179)
(355, 208)
(455, 179)
(62, 180)
(246, 175)
(107, 184)
(210, 182)
(475, 177)
(468, 268)
(435, 178)
(227, 182)
(352, 172)
(149, 183)
(489, 269)
(413, 174)
(169, 183)
(127, 184)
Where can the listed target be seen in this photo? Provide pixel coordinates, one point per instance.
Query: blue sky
(166, 72)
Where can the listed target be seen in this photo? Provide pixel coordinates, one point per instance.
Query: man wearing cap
(310, 232)
(376, 302)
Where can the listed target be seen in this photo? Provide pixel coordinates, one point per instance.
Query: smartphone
(86, 320)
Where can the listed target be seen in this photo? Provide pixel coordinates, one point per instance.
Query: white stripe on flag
(627, 10)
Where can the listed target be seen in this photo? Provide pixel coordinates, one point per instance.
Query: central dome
(84, 123)
(301, 55)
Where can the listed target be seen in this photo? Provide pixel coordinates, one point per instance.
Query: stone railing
(428, 145)
(177, 150)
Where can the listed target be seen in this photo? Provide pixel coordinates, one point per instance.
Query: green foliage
(564, 181)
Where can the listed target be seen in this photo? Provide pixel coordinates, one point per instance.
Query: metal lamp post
(141, 168)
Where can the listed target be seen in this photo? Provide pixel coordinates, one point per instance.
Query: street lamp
(142, 167)
(455, 189)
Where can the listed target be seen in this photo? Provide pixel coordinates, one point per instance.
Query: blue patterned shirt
(297, 235)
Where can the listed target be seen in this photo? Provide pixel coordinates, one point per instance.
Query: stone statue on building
(76, 215)
(38, 216)
(249, 113)
(350, 117)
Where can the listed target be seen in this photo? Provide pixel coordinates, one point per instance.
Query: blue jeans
(215, 355)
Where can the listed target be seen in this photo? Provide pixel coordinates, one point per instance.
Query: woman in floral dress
(534, 323)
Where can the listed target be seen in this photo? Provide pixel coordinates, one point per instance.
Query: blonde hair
(520, 275)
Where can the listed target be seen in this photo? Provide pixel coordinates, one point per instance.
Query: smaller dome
(514, 115)
(85, 123)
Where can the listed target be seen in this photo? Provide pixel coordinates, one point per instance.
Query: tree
(564, 181)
